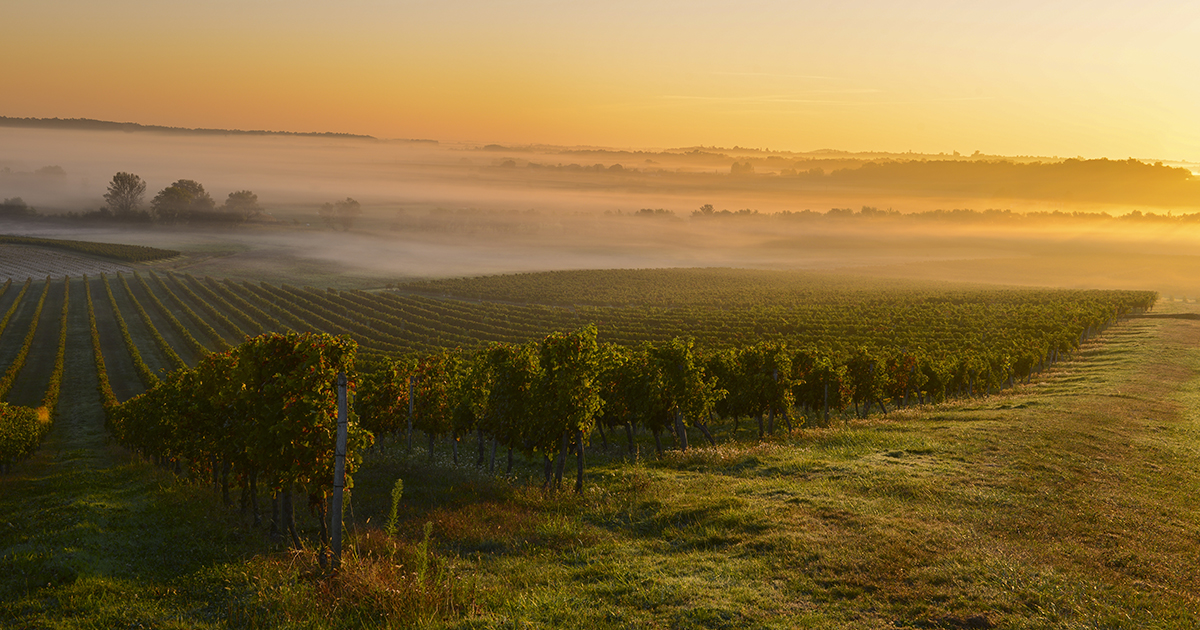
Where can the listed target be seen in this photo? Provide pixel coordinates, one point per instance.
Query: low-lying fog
(432, 210)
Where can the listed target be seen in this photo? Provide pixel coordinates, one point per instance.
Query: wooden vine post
(408, 433)
(339, 473)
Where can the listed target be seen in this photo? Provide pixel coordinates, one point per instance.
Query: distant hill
(88, 124)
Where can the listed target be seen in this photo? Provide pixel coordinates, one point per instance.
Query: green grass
(1071, 502)
(1068, 503)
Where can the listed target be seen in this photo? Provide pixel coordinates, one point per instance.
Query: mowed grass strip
(91, 539)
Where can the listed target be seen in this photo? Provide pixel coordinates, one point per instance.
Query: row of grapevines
(19, 362)
(50, 400)
(16, 302)
(107, 398)
(22, 428)
(208, 309)
(250, 294)
(144, 372)
(215, 337)
(988, 320)
(188, 340)
(220, 296)
(173, 357)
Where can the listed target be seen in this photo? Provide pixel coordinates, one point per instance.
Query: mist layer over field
(435, 210)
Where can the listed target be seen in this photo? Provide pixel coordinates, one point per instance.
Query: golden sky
(1015, 77)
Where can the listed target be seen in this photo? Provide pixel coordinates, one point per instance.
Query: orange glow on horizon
(1017, 79)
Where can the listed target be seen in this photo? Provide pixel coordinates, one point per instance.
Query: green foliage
(435, 387)
(21, 430)
(512, 376)
(568, 394)
(287, 382)
(381, 398)
(397, 492)
(269, 405)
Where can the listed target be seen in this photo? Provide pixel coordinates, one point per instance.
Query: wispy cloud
(777, 75)
(800, 99)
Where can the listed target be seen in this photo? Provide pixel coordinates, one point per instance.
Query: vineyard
(682, 408)
(681, 350)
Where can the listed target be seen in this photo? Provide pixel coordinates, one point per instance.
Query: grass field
(1070, 502)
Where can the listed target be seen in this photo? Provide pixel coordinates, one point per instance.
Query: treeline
(956, 215)
(1117, 181)
(88, 124)
(1073, 180)
(184, 201)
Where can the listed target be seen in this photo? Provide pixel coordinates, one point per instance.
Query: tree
(341, 213)
(184, 200)
(242, 205)
(124, 196)
(16, 207)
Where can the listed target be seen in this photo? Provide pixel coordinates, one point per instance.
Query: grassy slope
(94, 540)
(1071, 502)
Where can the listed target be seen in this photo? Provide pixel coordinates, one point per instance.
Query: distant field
(23, 261)
(114, 251)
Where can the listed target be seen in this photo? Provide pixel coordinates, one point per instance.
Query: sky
(1097, 78)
